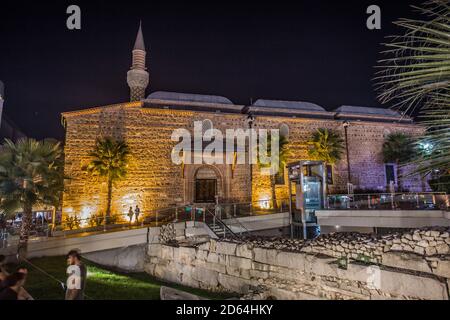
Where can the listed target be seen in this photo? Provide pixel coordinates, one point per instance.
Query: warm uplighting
(264, 202)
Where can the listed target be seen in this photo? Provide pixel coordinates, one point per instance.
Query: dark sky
(317, 51)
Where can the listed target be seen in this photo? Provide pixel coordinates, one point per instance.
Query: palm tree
(283, 154)
(398, 148)
(326, 145)
(30, 175)
(110, 161)
(416, 76)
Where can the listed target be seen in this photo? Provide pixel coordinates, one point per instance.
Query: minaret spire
(139, 43)
(137, 76)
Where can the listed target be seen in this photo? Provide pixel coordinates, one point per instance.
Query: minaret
(137, 76)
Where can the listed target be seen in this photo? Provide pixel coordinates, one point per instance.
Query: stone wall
(365, 140)
(153, 181)
(293, 269)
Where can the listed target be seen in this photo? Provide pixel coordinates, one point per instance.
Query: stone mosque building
(154, 181)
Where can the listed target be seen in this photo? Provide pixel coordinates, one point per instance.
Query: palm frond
(415, 77)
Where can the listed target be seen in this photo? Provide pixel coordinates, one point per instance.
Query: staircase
(217, 226)
(219, 230)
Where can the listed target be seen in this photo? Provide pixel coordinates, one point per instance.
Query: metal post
(417, 201)
(204, 215)
(193, 213)
(368, 201)
(176, 214)
(156, 214)
(290, 207)
(234, 210)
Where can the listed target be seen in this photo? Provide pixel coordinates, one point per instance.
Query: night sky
(317, 51)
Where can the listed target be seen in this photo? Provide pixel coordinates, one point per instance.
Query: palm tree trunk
(274, 193)
(108, 205)
(399, 184)
(27, 218)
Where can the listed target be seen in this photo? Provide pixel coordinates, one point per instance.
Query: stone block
(403, 284)
(321, 266)
(233, 271)
(204, 246)
(184, 255)
(154, 250)
(234, 284)
(443, 268)
(212, 257)
(244, 251)
(167, 272)
(201, 255)
(216, 267)
(442, 248)
(227, 248)
(240, 263)
(291, 260)
(407, 261)
(167, 252)
(267, 256)
(187, 280)
(205, 275)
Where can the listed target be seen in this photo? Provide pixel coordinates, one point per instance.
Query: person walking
(137, 212)
(76, 280)
(130, 214)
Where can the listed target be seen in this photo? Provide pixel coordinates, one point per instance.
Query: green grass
(102, 283)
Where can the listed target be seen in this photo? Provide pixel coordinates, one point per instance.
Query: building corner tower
(137, 76)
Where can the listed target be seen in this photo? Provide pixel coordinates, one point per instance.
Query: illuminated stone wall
(153, 181)
(365, 141)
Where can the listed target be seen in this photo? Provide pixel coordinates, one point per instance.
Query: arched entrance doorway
(205, 185)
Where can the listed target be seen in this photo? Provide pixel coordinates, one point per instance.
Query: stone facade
(153, 181)
(365, 140)
(296, 270)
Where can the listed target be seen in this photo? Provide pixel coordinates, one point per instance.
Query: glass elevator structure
(307, 193)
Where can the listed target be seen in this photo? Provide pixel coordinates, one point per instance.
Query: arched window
(284, 130)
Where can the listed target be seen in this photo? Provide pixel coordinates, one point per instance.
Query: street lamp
(346, 124)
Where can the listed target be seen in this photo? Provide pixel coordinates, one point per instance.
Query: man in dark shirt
(12, 285)
(76, 280)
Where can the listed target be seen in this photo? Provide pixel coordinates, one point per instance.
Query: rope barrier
(61, 283)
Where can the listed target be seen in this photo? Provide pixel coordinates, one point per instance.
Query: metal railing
(389, 201)
(74, 225)
(212, 217)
